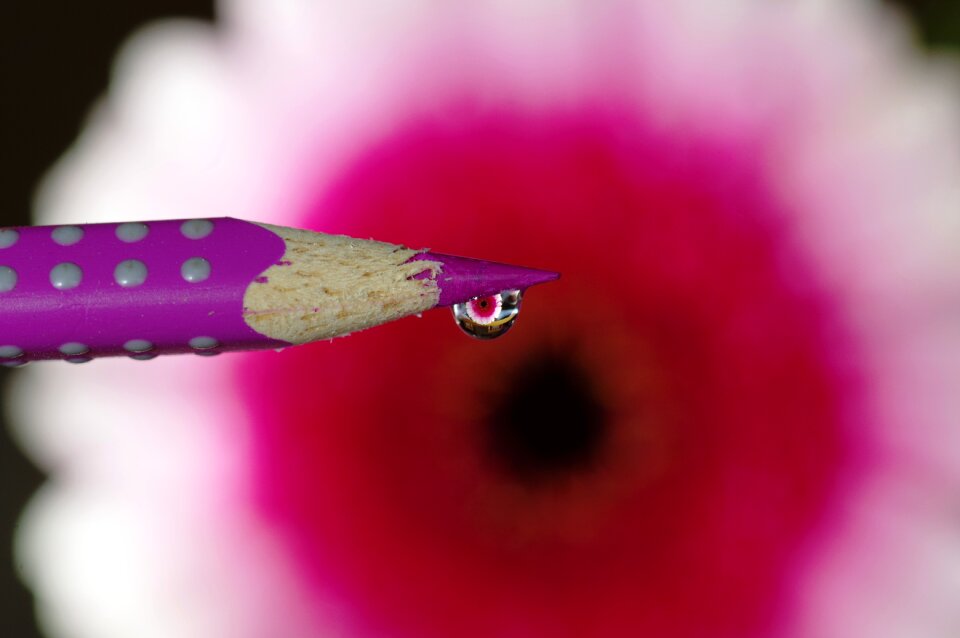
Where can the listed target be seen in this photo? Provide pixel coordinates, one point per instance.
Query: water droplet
(488, 317)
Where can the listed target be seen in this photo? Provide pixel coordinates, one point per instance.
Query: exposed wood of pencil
(332, 285)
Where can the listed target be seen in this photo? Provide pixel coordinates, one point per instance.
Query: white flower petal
(894, 571)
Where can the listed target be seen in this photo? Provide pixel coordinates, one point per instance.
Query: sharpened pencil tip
(462, 278)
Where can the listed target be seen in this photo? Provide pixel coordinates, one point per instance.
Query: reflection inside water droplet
(488, 317)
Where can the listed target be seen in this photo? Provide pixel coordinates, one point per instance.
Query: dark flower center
(548, 422)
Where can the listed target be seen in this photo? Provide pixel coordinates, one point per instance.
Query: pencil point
(462, 278)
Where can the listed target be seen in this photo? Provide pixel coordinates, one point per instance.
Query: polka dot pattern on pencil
(66, 276)
(74, 348)
(67, 235)
(8, 278)
(195, 269)
(136, 289)
(196, 228)
(130, 273)
(203, 343)
(137, 345)
(10, 352)
(8, 237)
(132, 232)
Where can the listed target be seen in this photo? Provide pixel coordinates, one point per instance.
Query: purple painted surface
(463, 278)
(166, 309)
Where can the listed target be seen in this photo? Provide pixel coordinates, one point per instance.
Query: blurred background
(55, 63)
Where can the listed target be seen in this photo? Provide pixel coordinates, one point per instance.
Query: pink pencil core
(462, 278)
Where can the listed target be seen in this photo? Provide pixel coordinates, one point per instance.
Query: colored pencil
(140, 289)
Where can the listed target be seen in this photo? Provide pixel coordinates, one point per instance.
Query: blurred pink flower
(735, 416)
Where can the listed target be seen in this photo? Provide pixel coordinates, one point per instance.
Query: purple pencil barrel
(133, 289)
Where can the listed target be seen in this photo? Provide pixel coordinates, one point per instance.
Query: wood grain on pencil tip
(330, 285)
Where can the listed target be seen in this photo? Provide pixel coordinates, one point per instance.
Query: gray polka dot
(196, 228)
(137, 345)
(195, 269)
(203, 343)
(13, 364)
(206, 353)
(130, 273)
(77, 359)
(10, 352)
(8, 237)
(67, 235)
(8, 278)
(74, 348)
(132, 231)
(144, 356)
(66, 276)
